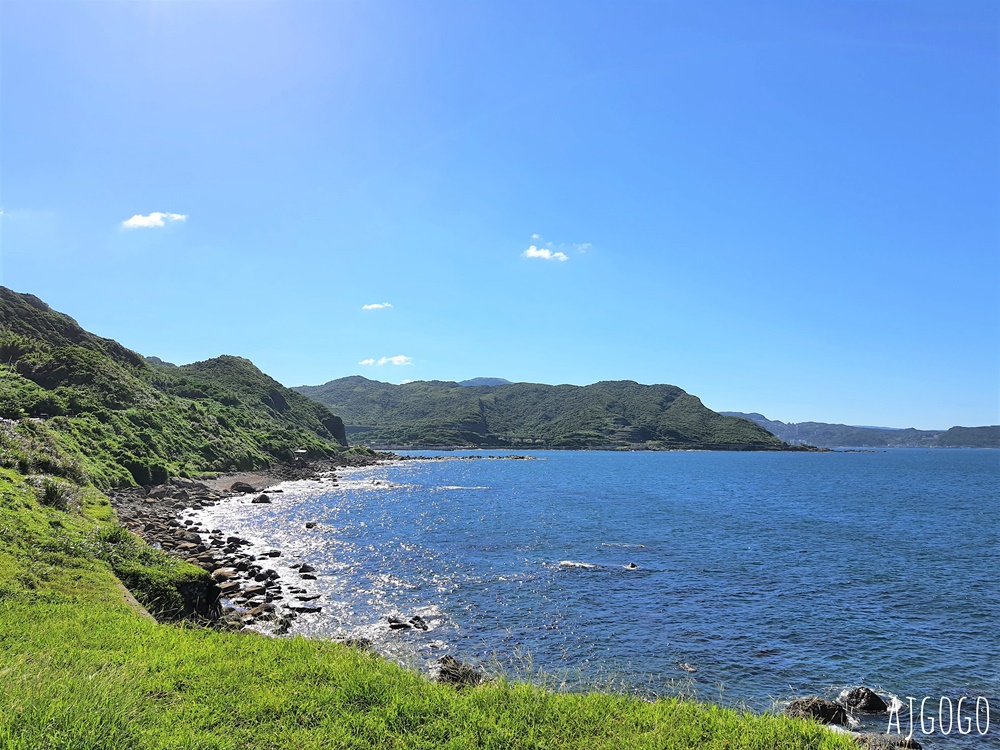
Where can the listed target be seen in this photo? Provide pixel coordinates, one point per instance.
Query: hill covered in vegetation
(847, 436)
(612, 414)
(83, 407)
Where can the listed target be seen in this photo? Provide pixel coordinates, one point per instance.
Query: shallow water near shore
(759, 576)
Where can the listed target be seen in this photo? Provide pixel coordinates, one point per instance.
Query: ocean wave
(576, 564)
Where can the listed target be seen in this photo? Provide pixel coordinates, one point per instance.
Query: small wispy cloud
(536, 236)
(399, 359)
(377, 306)
(155, 219)
(544, 253)
(583, 247)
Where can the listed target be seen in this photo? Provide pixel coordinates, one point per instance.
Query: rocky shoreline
(249, 595)
(246, 592)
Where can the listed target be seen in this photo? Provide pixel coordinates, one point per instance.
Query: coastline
(244, 591)
(271, 479)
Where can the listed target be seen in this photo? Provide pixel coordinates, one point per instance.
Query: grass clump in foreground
(79, 668)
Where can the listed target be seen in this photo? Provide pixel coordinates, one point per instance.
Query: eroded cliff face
(335, 426)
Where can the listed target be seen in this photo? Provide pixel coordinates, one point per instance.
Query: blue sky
(791, 208)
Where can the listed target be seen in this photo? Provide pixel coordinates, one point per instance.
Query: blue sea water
(771, 575)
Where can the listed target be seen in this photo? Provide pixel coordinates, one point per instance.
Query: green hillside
(613, 414)
(847, 436)
(86, 408)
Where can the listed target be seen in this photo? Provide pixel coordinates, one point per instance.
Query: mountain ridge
(609, 414)
(831, 435)
(78, 405)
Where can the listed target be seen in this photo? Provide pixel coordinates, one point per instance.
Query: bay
(757, 577)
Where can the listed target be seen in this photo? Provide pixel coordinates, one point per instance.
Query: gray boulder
(823, 710)
(865, 700)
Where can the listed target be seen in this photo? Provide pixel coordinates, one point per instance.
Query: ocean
(745, 579)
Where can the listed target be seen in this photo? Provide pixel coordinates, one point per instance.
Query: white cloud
(377, 306)
(399, 359)
(583, 247)
(544, 253)
(536, 236)
(155, 219)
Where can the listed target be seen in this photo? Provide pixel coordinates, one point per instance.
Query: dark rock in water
(459, 674)
(241, 487)
(261, 499)
(396, 624)
(886, 742)
(308, 577)
(866, 700)
(273, 553)
(418, 622)
(311, 525)
(631, 566)
(306, 568)
(825, 711)
(307, 609)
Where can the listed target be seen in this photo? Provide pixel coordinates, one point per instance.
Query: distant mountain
(82, 406)
(474, 382)
(846, 436)
(616, 414)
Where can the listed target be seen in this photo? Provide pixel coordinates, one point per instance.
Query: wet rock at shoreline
(242, 487)
(823, 710)
(262, 498)
(886, 742)
(865, 700)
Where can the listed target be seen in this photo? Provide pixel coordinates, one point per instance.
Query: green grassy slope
(118, 420)
(607, 414)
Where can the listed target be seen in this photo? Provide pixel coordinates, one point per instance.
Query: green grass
(86, 408)
(79, 668)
